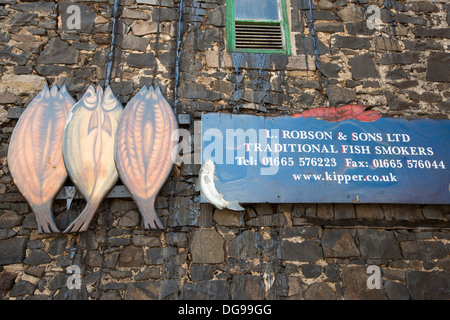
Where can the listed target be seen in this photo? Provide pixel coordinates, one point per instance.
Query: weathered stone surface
(245, 246)
(131, 256)
(21, 288)
(57, 51)
(207, 247)
(319, 291)
(23, 83)
(306, 251)
(368, 211)
(350, 42)
(86, 24)
(37, 257)
(141, 60)
(7, 280)
(338, 95)
(351, 13)
(142, 290)
(130, 219)
(160, 255)
(428, 285)
(438, 67)
(378, 244)
(10, 219)
(205, 290)
(338, 243)
(423, 250)
(311, 270)
(229, 218)
(247, 287)
(354, 287)
(396, 290)
(363, 67)
(12, 250)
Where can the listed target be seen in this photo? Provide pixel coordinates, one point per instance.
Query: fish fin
(93, 122)
(234, 205)
(107, 126)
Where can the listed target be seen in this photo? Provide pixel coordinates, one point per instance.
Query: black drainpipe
(113, 40)
(177, 63)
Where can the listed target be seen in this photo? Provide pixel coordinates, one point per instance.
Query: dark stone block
(37, 257)
(160, 255)
(24, 19)
(423, 250)
(427, 285)
(405, 19)
(205, 290)
(311, 270)
(22, 288)
(319, 291)
(350, 42)
(12, 250)
(339, 243)
(58, 246)
(141, 60)
(363, 67)
(396, 290)
(407, 57)
(359, 28)
(397, 74)
(58, 51)
(354, 281)
(438, 67)
(53, 70)
(87, 14)
(41, 7)
(7, 280)
(131, 256)
(433, 33)
(202, 272)
(247, 287)
(305, 45)
(143, 290)
(378, 244)
(329, 27)
(338, 95)
(329, 70)
(306, 251)
(10, 219)
(245, 246)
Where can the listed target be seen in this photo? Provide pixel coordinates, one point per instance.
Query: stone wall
(289, 251)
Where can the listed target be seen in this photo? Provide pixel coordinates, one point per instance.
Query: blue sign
(297, 160)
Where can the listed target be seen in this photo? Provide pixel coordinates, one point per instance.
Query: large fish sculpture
(88, 150)
(35, 157)
(146, 140)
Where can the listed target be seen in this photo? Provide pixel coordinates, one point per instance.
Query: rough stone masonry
(288, 251)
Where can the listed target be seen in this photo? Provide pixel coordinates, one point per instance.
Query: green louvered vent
(259, 36)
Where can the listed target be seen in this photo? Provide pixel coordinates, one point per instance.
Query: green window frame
(235, 44)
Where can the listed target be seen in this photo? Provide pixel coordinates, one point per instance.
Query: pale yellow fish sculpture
(88, 149)
(35, 157)
(145, 148)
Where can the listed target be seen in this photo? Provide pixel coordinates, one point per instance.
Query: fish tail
(83, 221)
(234, 205)
(150, 219)
(44, 218)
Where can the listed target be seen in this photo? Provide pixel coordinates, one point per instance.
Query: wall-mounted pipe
(178, 59)
(113, 40)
